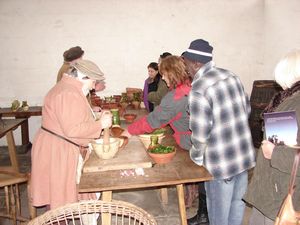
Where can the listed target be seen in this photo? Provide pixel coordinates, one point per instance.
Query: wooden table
(179, 171)
(32, 111)
(6, 129)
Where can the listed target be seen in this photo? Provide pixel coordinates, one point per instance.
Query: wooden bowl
(129, 117)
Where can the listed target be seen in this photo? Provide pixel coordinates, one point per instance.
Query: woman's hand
(267, 149)
(106, 119)
(126, 133)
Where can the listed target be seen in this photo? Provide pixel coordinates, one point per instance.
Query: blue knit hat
(199, 51)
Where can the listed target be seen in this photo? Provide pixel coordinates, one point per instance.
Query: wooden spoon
(106, 136)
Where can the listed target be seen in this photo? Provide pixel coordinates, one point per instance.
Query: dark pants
(201, 217)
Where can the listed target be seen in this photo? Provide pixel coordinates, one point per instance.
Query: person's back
(221, 136)
(229, 114)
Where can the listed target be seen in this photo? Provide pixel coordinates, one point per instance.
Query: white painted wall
(123, 36)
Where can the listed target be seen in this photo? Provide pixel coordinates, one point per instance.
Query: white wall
(123, 36)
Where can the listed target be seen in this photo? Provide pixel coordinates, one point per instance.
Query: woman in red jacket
(173, 107)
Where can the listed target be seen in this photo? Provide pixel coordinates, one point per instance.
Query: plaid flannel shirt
(219, 110)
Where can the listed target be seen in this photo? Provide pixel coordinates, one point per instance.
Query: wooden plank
(9, 124)
(32, 111)
(132, 156)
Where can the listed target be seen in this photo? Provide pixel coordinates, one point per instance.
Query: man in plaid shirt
(221, 138)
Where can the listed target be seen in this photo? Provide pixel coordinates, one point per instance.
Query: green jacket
(156, 96)
(269, 184)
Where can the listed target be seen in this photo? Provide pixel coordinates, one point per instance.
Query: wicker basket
(122, 213)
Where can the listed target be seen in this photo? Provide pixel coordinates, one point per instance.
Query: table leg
(106, 217)
(164, 195)
(181, 204)
(25, 132)
(25, 135)
(12, 151)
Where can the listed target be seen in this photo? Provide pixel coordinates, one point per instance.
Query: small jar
(115, 117)
(153, 141)
(25, 106)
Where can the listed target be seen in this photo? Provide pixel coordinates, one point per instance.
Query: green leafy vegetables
(159, 131)
(161, 149)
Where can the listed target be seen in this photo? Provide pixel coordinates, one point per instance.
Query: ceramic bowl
(107, 151)
(129, 117)
(162, 158)
(145, 139)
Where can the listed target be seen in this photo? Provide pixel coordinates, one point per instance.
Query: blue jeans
(224, 200)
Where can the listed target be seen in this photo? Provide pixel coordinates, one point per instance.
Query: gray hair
(287, 70)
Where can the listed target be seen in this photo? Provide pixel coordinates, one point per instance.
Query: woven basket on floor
(87, 212)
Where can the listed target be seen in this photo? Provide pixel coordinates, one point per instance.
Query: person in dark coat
(155, 88)
(270, 181)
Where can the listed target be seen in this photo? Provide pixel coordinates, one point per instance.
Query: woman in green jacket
(155, 88)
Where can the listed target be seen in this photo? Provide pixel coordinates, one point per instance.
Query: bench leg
(12, 151)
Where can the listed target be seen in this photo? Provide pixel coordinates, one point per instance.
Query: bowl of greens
(162, 154)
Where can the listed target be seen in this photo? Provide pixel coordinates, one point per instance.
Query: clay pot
(15, 105)
(25, 106)
(136, 104)
(113, 105)
(130, 91)
(117, 98)
(116, 131)
(129, 117)
(124, 104)
(96, 100)
(121, 111)
(162, 158)
(105, 105)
